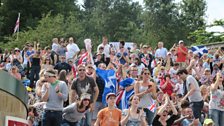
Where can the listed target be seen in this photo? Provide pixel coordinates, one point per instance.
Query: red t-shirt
(168, 89)
(181, 57)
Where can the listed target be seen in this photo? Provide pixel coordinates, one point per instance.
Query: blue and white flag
(200, 50)
(126, 95)
(110, 79)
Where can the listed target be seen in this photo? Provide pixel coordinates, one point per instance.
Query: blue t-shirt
(121, 58)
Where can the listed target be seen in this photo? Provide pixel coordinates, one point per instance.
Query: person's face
(105, 40)
(146, 74)
(134, 71)
(101, 49)
(167, 78)
(86, 102)
(207, 72)
(164, 115)
(145, 49)
(63, 59)
(47, 61)
(17, 51)
(182, 76)
(135, 101)
(70, 40)
(99, 56)
(189, 112)
(90, 68)
(47, 78)
(160, 45)
(181, 44)
(103, 67)
(14, 70)
(111, 100)
(81, 71)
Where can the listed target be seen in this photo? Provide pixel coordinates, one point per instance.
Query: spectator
(181, 52)
(146, 91)
(216, 104)
(167, 85)
(84, 84)
(109, 116)
(106, 49)
(122, 55)
(54, 93)
(133, 116)
(62, 65)
(35, 68)
(15, 73)
(161, 118)
(193, 93)
(46, 64)
(161, 52)
(73, 113)
(72, 49)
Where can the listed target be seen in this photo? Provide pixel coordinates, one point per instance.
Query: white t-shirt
(72, 49)
(161, 53)
(55, 47)
(106, 49)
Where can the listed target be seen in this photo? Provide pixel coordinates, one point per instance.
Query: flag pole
(17, 34)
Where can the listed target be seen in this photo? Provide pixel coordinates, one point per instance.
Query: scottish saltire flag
(126, 95)
(199, 50)
(110, 82)
(17, 24)
(152, 107)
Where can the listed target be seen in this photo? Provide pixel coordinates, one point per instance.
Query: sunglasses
(146, 73)
(134, 70)
(82, 70)
(90, 67)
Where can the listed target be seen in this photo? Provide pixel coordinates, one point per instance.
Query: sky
(215, 10)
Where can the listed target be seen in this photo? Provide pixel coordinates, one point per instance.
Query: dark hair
(131, 98)
(167, 75)
(62, 76)
(176, 64)
(80, 105)
(181, 71)
(122, 43)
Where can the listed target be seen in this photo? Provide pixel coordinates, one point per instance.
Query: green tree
(31, 12)
(48, 27)
(192, 16)
(161, 21)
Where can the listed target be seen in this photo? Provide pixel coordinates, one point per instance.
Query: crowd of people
(153, 87)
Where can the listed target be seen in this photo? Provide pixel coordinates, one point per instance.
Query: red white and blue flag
(17, 24)
(152, 107)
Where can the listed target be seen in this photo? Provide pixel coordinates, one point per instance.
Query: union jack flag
(145, 61)
(17, 24)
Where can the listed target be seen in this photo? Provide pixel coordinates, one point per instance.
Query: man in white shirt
(72, 49)
(106, 50)
(161, 52)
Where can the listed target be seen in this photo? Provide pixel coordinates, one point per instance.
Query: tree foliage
(157, 20)
(201, 36)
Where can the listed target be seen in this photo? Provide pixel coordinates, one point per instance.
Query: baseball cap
(208, 121)
(110, 94)
(145, 46)
(85, 96)
(181, 41)
(16, 49)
